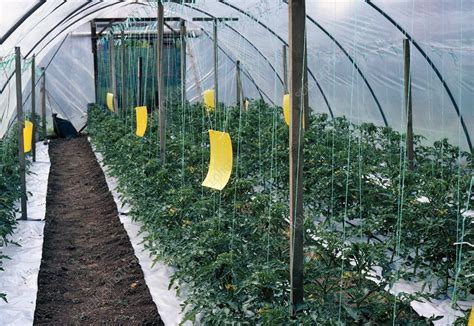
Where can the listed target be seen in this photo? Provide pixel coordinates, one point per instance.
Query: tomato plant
(364, 212)
(9, 189)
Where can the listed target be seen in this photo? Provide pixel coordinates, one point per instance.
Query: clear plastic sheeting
(355, 55)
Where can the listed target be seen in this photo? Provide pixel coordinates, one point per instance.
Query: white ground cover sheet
(20, 278)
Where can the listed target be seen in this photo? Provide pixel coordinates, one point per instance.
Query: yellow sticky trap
(471, 318)
(27, 136)
(286, 108)
(110, 101)
(209, 100)
(247, 104)
(220, 165)
(142, 120)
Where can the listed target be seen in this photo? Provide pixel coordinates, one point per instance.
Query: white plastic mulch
(20, 278)
(157, 274)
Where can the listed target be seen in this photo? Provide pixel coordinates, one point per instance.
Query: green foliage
(231, 247)
(9, 189)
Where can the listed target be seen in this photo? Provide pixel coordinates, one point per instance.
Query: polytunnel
(285, 161)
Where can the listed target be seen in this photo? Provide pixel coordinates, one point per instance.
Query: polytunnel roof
(355, 53)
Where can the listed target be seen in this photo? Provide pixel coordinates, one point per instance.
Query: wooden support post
(43, 103)
(140, 82)
(160, 80)
(216, 66)
(408, 104)
(94, 54)
(21, 124)
(285, 70)
(183, 62)
(299, 103)
(113, 79)
(238, 82)
(194, 68)
(123, 74)
(33, 106)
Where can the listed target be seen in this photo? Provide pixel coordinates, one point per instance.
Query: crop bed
(364, 211)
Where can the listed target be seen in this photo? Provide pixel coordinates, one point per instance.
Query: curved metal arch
(46, 16)
(242, 36)
(247, 74)
(71, 15)
(354, 64)
(74, 13)
(119, 2)
(46, 67)
(285, 43)
(431, 64)
(19, 22)
(255, 48)
(79, 19)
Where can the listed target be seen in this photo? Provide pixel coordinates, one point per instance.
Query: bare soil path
(89, 273)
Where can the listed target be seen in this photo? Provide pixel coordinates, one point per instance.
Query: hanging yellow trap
(286, 108)
(27, 136)
(220, 164)
(142, 120)
(209, 100)
(471, 318)
(110, 101)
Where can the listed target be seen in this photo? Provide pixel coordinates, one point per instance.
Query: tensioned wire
(333, 131)
(348, 170)
(183, 115)
(403, 168)
(273, 193)
(150, 46)
(237, 168)
(460, 219)
(402, 171)
(442, 93)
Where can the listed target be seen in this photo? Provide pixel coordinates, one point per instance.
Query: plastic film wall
(355, 56)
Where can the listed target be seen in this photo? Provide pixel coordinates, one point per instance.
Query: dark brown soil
(89, 273)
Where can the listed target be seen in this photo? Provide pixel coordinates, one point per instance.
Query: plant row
(370, 222)
(9, 190)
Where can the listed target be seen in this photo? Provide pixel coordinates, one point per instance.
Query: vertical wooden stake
(408, 103)
(159, 75)
(43, 103)
(140, 82)
(194, 69)
(285, 70)
(33, 106)
(21, 124)
(238, 82)
(122, 74)
(94, 54)
(183, 62)
(113, 79)
(216, 66)
(298, 100)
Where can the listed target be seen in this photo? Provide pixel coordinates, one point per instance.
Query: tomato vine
(231, 247)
